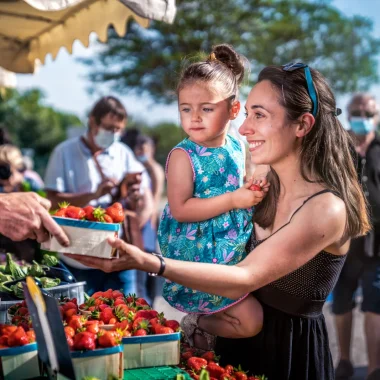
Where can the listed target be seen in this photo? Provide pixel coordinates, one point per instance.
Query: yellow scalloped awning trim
(27, 34)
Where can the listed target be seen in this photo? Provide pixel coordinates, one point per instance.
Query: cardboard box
(151, 350)
(19, 363)
(99, 363)
(86, 238)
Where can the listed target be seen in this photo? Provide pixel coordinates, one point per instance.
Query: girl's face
(205, 114)
(270, 137)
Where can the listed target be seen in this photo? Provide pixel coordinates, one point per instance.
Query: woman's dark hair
(106, 105)
(224, 69)
(327, 150)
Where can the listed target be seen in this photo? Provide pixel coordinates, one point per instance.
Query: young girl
(208, 217)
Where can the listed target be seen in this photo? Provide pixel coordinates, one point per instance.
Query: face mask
(104, 139)
(142, 158)
(361, 125)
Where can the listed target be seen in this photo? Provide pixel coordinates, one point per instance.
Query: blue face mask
(361, 125)
(142, 158)
(104, 139)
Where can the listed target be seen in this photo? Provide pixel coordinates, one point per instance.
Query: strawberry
(173, 324)
(31, 336)
(84, 341)
(228, 369)
(140, 323)
(108, 339)
(89, 211)
(92, 326)
(211, 357)
(131, 298)
(106, 315)
(22, 311)
(196, 364)
(215, 370)
(97, 295)
(116, 212)
(159, 329)
(18, 338)
(123, 325)
(70, 342)
(117, 294)
(76, 322)
(69, 305)
(142, 302)
(255, 187)
(75, 212)
(240, 375)
(108, 294)
(147, 314)
(69, 331)
(140, 332)
(61, 212)
(108, 219)
(69, 313)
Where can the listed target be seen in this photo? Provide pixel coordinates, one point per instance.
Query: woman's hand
(130, 257)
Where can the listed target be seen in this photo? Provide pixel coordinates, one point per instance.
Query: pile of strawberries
(19, 314)
(199, 365)
(15, 336)
(130, 314)
(112, 214)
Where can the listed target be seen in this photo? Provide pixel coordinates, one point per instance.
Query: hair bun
(235, 62)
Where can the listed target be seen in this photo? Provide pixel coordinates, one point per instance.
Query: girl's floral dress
(220, 240)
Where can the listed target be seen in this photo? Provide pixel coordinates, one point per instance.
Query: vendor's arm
(281, 254)
(186, 208)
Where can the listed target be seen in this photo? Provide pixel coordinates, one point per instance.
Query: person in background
(143, 146)
(363, 260)
(145, 150)
(88, 170)
(12, 180)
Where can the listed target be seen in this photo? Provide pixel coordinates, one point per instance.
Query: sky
(64, 80)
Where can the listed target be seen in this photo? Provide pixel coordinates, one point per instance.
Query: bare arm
(144, 207)
(284, 252)
(185, 208)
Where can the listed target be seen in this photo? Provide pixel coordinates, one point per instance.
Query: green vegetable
(4, 288)
(13, 268)
(18, 290)
(5, 277)
(2, 268)
(47, 282)
(36, 270)
(50, 260)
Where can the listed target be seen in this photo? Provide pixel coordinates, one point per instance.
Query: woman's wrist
(150, 263)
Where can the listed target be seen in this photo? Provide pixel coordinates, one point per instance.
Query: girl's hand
(245, 198)
(130, 257)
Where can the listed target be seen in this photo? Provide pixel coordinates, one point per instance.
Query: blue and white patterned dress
(220, 240)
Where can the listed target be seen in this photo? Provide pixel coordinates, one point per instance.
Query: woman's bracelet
(162, 265)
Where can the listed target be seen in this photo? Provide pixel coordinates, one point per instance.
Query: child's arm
(185, 208)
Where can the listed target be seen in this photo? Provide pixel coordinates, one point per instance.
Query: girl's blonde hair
(10, 154)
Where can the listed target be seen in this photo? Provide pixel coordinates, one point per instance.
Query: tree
(266, 31)
(31, 124)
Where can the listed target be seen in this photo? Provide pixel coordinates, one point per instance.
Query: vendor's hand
(25, 216)
(130, 257)
(244, 197)
(104, 188)
(133, 181)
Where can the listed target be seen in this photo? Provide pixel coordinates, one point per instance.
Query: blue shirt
(72, 169)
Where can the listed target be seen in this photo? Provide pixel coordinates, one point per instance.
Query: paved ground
(358, 349)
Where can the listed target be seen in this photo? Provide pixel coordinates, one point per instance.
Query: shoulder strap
(299, 208)
(95, 158)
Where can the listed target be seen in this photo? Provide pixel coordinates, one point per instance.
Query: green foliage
(32, 124)
(266, 31)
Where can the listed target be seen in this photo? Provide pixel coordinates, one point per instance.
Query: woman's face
(270, 136)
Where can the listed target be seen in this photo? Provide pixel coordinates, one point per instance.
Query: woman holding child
(301, 228)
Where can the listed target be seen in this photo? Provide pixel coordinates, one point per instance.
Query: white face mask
(104, 139)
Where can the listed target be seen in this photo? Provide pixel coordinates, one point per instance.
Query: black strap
(299, 208)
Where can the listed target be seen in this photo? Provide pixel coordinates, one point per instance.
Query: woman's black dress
(293, 343)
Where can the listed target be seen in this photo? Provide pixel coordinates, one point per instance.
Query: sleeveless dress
(220, 240)
(293, 344)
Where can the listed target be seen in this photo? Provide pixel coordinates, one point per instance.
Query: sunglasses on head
(292, 66)
(367, 114)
